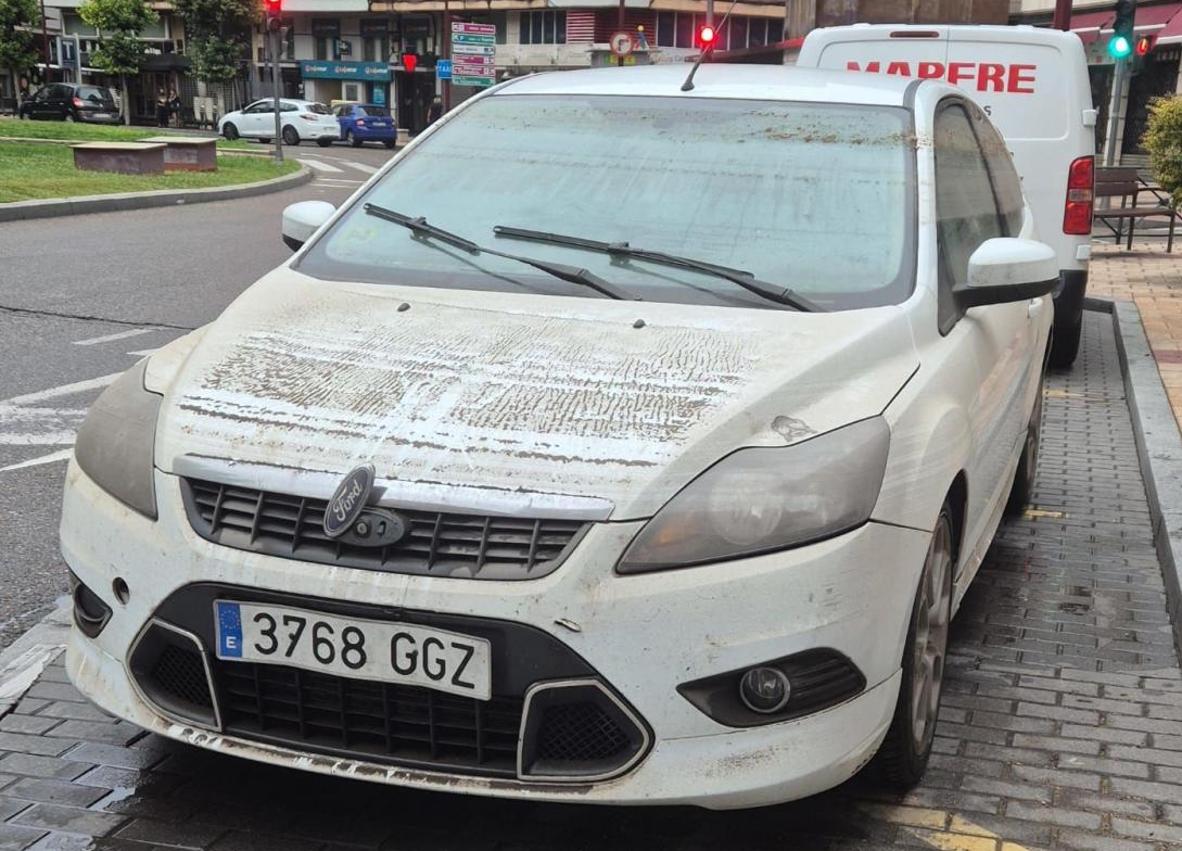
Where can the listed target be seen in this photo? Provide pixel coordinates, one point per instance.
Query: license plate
(403, 653)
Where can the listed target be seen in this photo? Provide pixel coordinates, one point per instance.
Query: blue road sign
(443, 69)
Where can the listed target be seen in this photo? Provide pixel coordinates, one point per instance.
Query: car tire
(324, 143)
(352, 139)
(1028, 464)
(68, 118)
(389, 143)
(291, 136)
(1065, 344)
(904, 754)
(230, 131)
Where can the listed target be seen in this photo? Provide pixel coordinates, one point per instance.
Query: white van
(1033, 84)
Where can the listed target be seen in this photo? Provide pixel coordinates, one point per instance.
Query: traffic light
(706, 36)
(1144, 45)
(1120, 46)
(273, 9)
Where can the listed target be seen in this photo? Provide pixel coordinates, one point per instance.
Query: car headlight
(115, 444)
(762, 499)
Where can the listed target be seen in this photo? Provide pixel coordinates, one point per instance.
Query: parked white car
(300, 119)
(615, 443)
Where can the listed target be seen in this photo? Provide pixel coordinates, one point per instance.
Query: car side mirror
(1005, 269)
(302, 219)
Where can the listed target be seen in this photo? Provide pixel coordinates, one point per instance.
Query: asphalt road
(81, 299)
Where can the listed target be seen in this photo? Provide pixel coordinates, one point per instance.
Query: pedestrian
(26, 100)
(174, 107)
(434, 110)
(161, 108)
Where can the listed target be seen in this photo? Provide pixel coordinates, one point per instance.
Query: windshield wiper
(763, 289)
(572, 274)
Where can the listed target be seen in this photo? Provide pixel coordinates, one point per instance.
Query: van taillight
(1081, 183)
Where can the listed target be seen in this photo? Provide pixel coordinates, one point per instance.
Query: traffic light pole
(273, 41)
(1114, 110)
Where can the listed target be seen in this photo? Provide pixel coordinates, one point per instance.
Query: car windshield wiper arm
(771, 292)
(572, 274)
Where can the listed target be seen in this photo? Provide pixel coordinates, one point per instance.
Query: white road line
(319, 166)
(110, 338)
(368, 169)
(53, 457)
(142, 353)
(62, 390)
(328, 181)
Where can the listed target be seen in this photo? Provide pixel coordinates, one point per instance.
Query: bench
(187, 153)
(1124, 183)
(121, 157)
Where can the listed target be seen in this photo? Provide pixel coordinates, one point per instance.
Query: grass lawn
(73, 132)
(29, 170)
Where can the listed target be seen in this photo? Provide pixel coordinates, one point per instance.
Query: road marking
(143, 353)
(319, 166)
(110, 338)
(337, 181)
(51, 458)
(62, 390)
(368, 169)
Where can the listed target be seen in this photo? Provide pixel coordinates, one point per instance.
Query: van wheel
(904, 754)
(1028, 465)
(1065, 344)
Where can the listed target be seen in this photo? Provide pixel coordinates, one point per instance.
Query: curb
(22, 662)
(1159, 444)
(21, 210)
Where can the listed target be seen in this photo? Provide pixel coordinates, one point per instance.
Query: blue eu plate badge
(229, 630)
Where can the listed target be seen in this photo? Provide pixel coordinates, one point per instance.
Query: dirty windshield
(813, 197)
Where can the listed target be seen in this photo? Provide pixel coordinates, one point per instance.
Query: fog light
(764, 690)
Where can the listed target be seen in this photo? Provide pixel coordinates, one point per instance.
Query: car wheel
(389, 143)
(352, 139)
(1065, 344)
(908, 745)
(1028, 464)
(324, 143)
(290, 136)
(230, 131)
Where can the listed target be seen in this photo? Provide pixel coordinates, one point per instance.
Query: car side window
(966, 209)
(288, 107)
(1007, 186)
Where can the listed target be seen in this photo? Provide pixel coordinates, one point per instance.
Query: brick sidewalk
(1152, 278)
(1061, 726)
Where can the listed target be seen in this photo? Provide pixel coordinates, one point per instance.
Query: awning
(1171, 33)
(1087, 25)
(1091, 26)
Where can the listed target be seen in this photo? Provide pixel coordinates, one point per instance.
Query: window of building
(325, 32)
(543, 27)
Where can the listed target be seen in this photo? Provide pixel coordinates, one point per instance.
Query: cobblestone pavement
(1152, 278)
(1061, 726)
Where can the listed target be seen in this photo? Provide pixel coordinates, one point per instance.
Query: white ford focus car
(621, 441)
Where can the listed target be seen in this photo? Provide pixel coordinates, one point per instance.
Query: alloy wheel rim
(931, 637)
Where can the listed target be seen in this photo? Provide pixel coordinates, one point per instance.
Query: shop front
(327, 81)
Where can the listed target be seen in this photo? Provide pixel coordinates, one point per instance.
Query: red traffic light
(410, 61)
(272, 7)
(1144, 45)
(706, 36)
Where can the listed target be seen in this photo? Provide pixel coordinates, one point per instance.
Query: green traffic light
(1119, 47)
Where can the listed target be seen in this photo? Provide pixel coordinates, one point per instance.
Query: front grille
(179, 673)
(437, 543)
(369, 720)
(580, 732)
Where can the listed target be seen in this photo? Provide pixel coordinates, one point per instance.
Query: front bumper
(643, 635)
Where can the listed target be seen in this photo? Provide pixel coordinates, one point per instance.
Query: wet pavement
(1061, 725)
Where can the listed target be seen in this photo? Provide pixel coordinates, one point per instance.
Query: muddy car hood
(506, 403)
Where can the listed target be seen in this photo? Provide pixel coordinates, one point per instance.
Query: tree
(121, 52)
(16, 42)
(1163, 140)
(217, 31)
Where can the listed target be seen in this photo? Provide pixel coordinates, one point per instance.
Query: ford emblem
(348, 501)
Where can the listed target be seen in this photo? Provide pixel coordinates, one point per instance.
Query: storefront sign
(319, 70)
(375, 29)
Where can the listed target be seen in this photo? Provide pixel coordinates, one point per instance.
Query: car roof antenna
(688, 85)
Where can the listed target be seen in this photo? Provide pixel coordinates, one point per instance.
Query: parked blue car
(366, 122)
